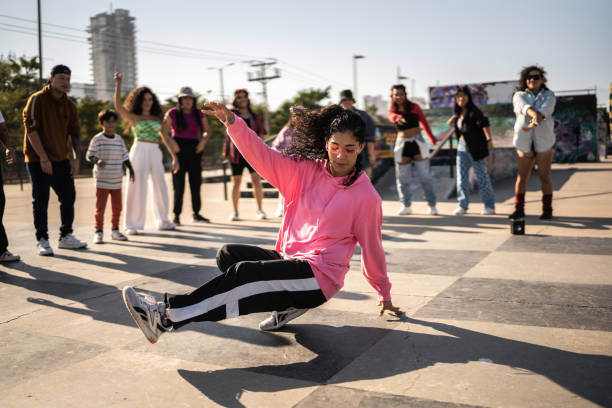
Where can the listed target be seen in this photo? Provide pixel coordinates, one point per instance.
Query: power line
(173, 46)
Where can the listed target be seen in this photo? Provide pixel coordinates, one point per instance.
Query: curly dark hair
(314, 127)
(133, 102)
(522, 83)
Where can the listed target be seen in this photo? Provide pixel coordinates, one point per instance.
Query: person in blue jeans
(472, 129)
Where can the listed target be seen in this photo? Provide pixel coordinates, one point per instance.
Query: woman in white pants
(144, 114)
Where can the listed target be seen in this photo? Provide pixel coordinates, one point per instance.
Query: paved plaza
(491, 319)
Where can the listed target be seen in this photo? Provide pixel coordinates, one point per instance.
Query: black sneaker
(517, 214)
(199, 218)
(176, 220)
(546, 215)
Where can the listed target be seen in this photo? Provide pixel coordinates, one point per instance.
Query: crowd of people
(327, 201)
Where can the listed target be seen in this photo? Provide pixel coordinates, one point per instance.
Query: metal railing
(447, 138)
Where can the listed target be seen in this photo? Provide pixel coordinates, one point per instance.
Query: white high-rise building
(113, 46)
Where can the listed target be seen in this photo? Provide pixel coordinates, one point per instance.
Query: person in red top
(410, 147)
(242, 108)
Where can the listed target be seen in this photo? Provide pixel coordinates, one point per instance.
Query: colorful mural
(576, 128)
(575, 119)
(483, 93)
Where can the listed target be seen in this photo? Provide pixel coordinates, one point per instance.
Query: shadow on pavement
(582, 374)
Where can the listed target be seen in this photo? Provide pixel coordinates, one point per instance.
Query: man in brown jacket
(50, 119)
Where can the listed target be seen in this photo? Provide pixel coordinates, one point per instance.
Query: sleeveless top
(192, 130)
(147, 130)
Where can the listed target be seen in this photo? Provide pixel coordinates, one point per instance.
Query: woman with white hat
(190, 132)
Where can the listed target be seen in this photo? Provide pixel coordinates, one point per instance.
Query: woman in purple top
(189, 135)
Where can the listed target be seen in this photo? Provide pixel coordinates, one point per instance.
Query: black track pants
(253, 280)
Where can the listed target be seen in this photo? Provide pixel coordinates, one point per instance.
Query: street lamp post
(400, 77)
(355, 58)
(220, 69)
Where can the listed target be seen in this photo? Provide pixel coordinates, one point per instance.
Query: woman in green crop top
(144, 114)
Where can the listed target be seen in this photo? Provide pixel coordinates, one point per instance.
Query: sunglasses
(336, 149)
(535, 77)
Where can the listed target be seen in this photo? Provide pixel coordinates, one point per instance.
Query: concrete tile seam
(65, 304)
(524, 302)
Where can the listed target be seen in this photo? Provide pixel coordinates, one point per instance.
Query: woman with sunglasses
(410, 147)
(534, 137)
(472, 129)
(330, 207)
(242, 107)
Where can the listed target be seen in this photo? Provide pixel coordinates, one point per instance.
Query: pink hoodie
(323, 219)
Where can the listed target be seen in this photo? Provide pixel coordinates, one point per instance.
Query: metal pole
(355, 78)
(266, 110)
(40, 60)
(221, 85)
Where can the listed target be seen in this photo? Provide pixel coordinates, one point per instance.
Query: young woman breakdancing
(330, 206)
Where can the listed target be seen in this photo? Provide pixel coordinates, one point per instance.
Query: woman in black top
(472, 129)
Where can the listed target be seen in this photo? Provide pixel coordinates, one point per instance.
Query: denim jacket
(543, 102)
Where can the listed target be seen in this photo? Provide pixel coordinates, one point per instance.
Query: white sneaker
(166, 226)
(69, 241)
(118, 236)
(459, 210)
(148, 314)
(433, 211)
(279, 319)
(7, 256)
(44, 248)
(234, 216)
(488, 211)
(405, 211)
(279, 211)
(131, 231)
(98, 239)
(260, 215)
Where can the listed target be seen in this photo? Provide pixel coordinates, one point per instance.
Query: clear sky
(434, 41)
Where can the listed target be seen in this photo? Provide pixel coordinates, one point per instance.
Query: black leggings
(189, 162)
(253, 280)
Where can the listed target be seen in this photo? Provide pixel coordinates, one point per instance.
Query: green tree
(19, 81)
(308, 98)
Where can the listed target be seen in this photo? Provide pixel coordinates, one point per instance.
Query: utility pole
(355, 58)
(261, 75)
(221, 90)
(40, 64)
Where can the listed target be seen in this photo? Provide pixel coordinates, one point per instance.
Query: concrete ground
(491, 319)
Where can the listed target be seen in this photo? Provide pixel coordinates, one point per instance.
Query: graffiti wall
(484, 93)
(576, 128)
(575, 125)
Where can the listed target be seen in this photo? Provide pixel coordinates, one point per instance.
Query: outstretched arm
(282, 172)
(125, 114)
(425, 124)
(373, 263)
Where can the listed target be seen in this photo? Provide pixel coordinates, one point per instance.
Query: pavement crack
(20, 316)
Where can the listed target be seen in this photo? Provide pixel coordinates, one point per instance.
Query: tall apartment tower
(113, 46)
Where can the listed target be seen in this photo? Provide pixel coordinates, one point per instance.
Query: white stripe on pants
(146, 159)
